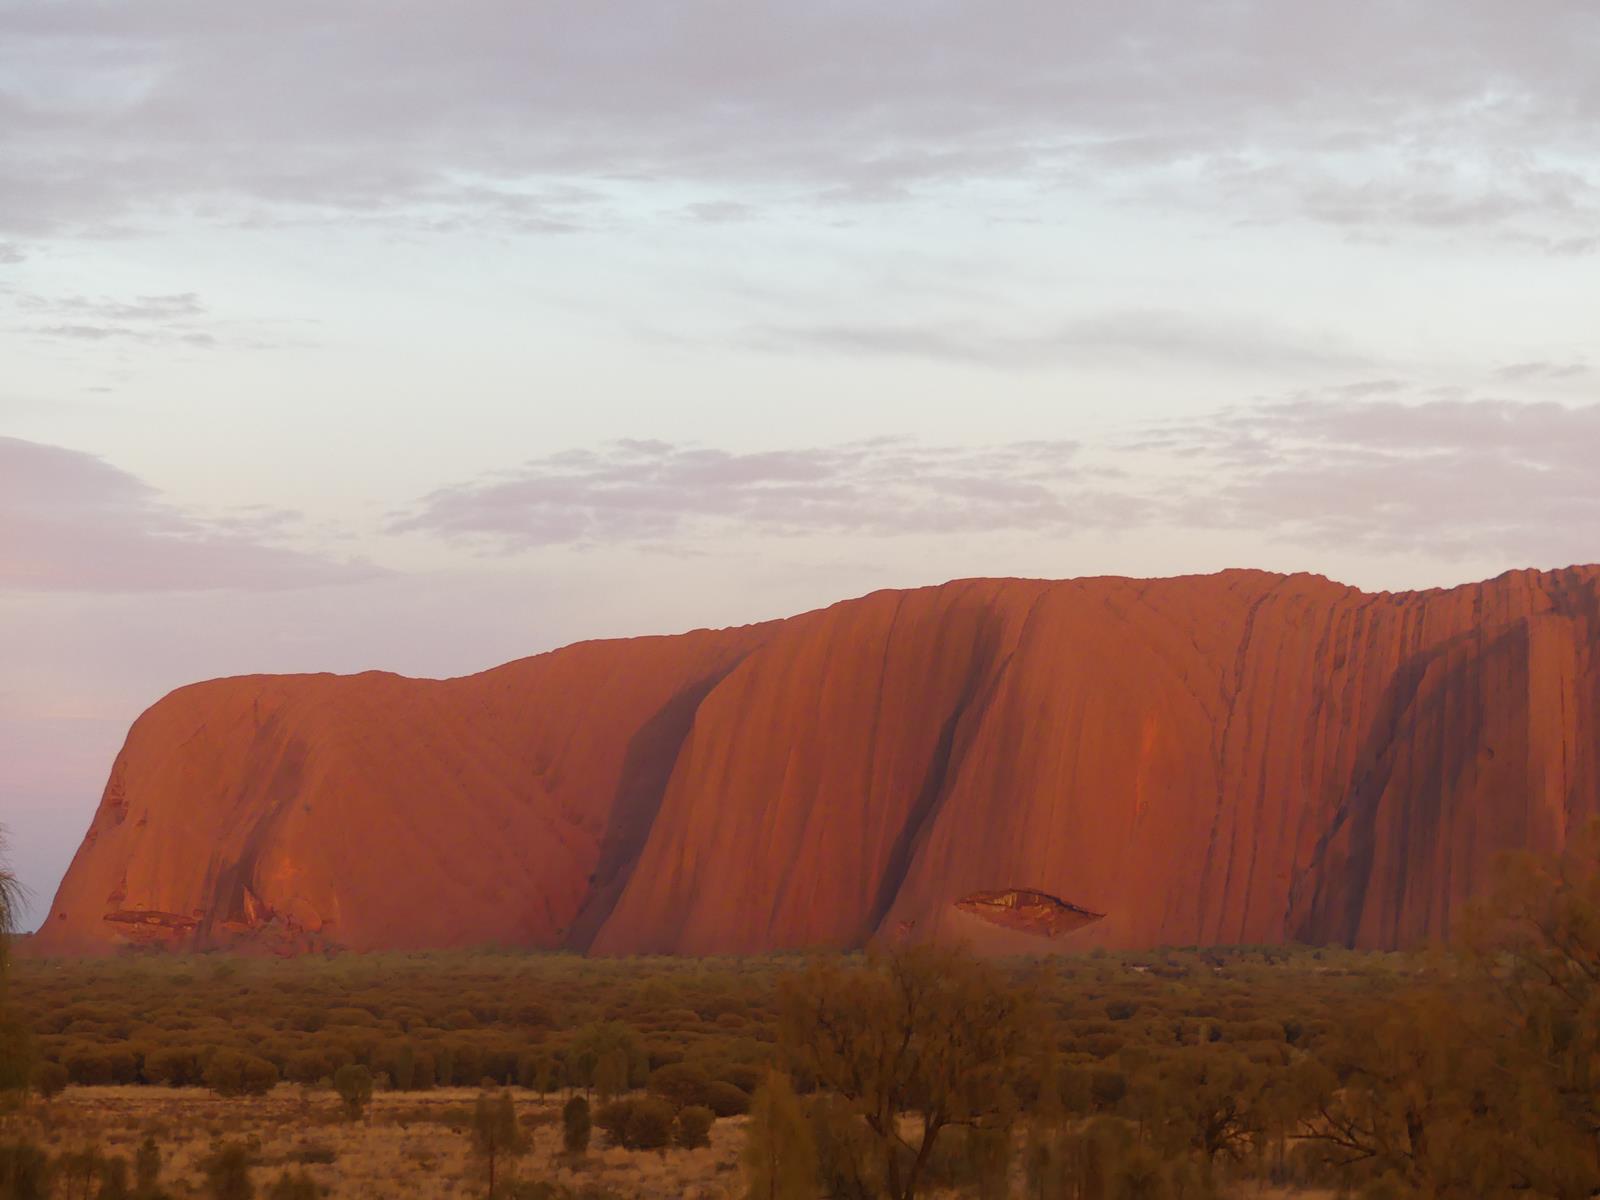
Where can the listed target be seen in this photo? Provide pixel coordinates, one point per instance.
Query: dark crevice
(647, 768)
(986, 643)
(234, 905)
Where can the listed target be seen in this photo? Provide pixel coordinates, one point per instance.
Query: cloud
(657, 492)
(71, 522)
(1373, 117)
(1445, 478)
(176, 319)
(1438, 478)
(1128, 338)
(1537, 370)
(141, 309)
(10, 254)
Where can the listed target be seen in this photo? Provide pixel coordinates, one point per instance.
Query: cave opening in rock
(1028, 911)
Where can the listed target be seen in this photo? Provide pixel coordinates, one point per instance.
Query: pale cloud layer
(653, 491)
(1142, 339)
(75, 523)
(1439, 478)
(1443, 478)
(1378, 118)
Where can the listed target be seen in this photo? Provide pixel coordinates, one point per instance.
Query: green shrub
(49, 1078)
(228, 1173)
(575, 1125)
(680, 1084)
(17, 1052)
(637, 1122)
(173, 1066)
(694, 1127)
(725, 1100)
(353, 1082)
(298, 1186)
(91, 1065)
(230, 1073)
(24, 1171)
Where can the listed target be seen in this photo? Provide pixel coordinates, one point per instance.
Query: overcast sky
(423, 336)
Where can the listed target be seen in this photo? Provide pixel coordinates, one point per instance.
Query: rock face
(1027, 765)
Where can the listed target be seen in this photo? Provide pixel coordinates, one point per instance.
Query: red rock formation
(1239, 757)
(373, 811)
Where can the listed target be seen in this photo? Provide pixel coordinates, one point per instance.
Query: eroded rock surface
(1242, 757)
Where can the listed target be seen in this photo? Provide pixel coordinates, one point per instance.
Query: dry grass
(412, 1144)
(416, 1145)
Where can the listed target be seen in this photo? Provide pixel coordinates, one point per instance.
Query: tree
(985, 1164)
(78, 1171)
(231, 1073)
(24, 1171)
(725, 1099)
(147, 1169)
(575, 1125)
(780, 1154)
(680, 1084)
(298, 1186)
(1534, 940)
(1531, 947)
(11, 897)
(113, 1179)
(1425, 1087)
(637, 1122)
(599, 1039)
(228, 1173)
(49, 1079)
(694, 1127)
(16, 1042)
(922, 1031)
(353, 1082)
(16, 1053)
(495, 1132)
(611, 1073)
(1207, 1098)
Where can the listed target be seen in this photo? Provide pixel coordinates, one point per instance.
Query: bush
(298, 1186)
(694, 1127)
(16, 1050)
(228, 1173)
(353, 1082)
(680, 1084)
(24, 1171)
(147, 1169)
(90, 1065)
(113, 1179)
(309, 1066)
(1107, 1087)
(49, 1078)
(230, 1073)
(575, 1125)
(637, 1123)
(173, 1067)
(726, 1100)
(745, 1076)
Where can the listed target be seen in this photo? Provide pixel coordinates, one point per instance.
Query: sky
(425, 336)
